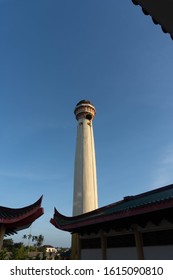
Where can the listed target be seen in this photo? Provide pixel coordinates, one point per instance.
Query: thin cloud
(28, 175)
(163, 174)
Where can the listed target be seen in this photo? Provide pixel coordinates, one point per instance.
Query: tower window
(89, 117)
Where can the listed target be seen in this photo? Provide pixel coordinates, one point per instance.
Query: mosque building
(136, 227)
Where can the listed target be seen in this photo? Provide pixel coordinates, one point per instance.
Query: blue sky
(52, 55)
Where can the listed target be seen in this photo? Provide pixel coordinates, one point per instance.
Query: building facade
(137, 227)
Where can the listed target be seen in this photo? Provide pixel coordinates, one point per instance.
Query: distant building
(66, 255)
(50, 249)
(35, 255)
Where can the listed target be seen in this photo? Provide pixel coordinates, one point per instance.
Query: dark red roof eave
(13, 220)
(71, 225)
(157, 19)
(10, 216)
(25, 221)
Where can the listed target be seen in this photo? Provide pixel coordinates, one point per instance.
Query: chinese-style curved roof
(154, 204)
(15, 219)
(160, 12)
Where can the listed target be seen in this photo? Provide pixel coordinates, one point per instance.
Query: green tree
(40, 240)
(20, 253)
(3, 254)
(8, 244)
(24, 236)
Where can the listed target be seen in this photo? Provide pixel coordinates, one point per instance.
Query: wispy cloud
(40, 125)
(29, 175)
(163, 173)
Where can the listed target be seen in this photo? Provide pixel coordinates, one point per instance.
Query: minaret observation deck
(85, 110)
(85, 180)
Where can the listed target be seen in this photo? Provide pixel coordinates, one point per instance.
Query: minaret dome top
(85, 110)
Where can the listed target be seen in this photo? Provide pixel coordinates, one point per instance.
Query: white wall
(159, 252)
(150, 253)
(91, 254)
(128, 253)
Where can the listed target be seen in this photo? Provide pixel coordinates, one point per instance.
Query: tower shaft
(85, 180)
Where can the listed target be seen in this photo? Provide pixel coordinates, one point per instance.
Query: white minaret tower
(85, 180)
